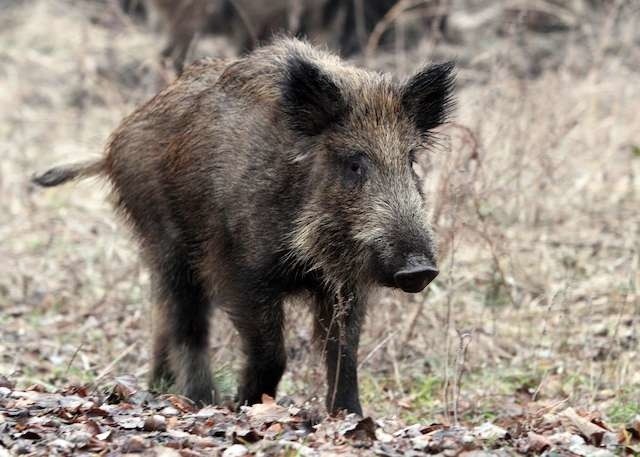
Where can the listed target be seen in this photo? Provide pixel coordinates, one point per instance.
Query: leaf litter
(123, 418)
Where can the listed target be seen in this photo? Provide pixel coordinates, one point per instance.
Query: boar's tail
(62, 174)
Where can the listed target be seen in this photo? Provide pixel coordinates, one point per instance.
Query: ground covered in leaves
(124, 419)
(528, 339)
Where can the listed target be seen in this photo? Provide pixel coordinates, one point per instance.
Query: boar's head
(358, 134)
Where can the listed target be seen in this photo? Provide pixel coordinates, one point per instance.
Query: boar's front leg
(337, 329)
(260, 325)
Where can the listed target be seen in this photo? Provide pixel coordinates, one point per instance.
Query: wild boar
(283, 173)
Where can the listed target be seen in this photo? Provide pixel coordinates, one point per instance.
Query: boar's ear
(310, 99)
(428, 96)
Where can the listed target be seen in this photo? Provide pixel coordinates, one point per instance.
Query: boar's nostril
(415, 278)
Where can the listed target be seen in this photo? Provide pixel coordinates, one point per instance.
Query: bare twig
(464, 338)
(106, 370)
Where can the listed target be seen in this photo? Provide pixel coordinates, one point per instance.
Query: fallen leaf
(489, 431)
(96, 411)
(169, 411)
(104, 436)
(92, 427)
(275, 428)
(36, 388)
(61, 444)
(591, 432)
(81, 391)
(79, 437)
(155, 423)
(134, 443)
(235, 450)
(634, 428)
(164, 451)
(587, 450)
(245, 435)
(383, 436)
(208, 411)
(129, 422)
(537, 443)
(124, 387)
(267, 412)
(181, 403)
(363, 429)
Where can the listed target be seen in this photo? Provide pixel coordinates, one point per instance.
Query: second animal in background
(343, 25)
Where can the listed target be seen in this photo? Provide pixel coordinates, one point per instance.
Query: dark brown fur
(283, 173)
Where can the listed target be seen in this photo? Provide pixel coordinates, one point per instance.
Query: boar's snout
(415, 275)
(406, 257)
(415, 279)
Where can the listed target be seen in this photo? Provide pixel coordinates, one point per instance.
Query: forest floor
(124, 419)
(527, 343)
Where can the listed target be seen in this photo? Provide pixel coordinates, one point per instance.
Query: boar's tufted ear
(428, 96)
(310, 99)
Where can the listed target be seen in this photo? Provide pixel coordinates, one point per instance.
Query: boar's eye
(412, 157)
(355, 168)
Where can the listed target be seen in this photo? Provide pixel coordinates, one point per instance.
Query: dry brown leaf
(243, 435)
(129, 422)
(360, 430)
(134, 443)
(591, 432)
(489, 431)
(267, 412)
(633, 429)
(36, 388)
(92, 427)
(275, 428)
(181, 403)
(537, 443)
(155, 423)
(209, 411)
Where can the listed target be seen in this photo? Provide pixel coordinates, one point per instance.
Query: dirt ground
(535, 191)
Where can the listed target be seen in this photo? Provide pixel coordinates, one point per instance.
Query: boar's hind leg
(187, 315)
(161, 375)
(337, 330)
(261, 330)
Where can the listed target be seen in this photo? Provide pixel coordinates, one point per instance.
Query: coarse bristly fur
(248, 181)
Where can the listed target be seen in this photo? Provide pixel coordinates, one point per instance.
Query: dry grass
(535, 190)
